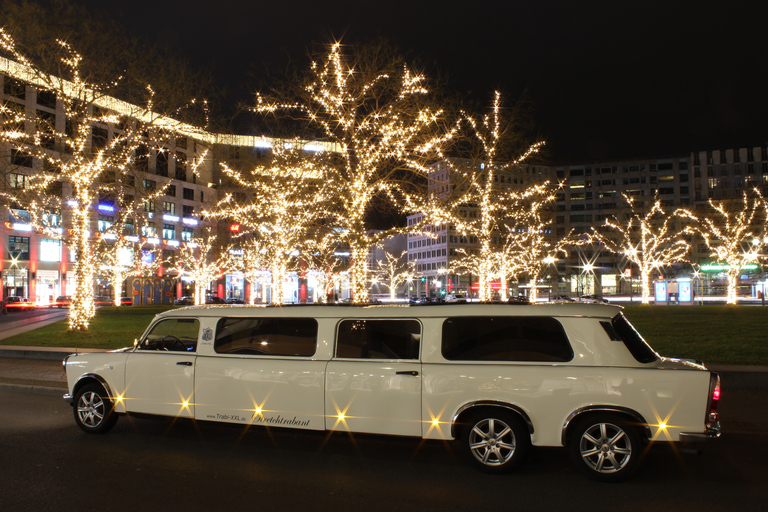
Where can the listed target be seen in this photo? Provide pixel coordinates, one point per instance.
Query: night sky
(603, 79)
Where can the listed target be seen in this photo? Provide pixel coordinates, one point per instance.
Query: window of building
(169, 231)
(170, 190)
(188, 193)
(15, 88)
(510, 338)
(50, 250)
(292, 337)
(187, 210)
(181, 166)
(18, 247)
(149, 206)
(187, 234)
(169, 207)
(46, 99)
(161, 164)
(149, 230)
(19, 215)
(379, 339)
(150, 185)
(99, 138)
(17, 181)
(105, 222)
(21, 158)
(141, 158)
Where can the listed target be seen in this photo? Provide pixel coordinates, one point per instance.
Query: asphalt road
(47, 463)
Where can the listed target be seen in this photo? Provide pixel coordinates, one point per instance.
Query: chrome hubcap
(90, 409)
(492, 442)
(605, 448)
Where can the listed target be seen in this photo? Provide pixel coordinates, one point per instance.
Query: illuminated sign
(724, 268)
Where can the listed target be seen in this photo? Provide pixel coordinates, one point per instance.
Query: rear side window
(621, 330)
(512, 338)
(266, 336)
(379, 339)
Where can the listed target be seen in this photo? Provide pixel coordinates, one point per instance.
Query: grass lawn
(713, 334)
(113, 327)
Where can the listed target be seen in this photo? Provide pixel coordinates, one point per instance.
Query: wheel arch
(629, 414)
(91, 378)
(471, 407)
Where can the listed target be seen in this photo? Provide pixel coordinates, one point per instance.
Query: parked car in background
(19, 304)
(235, 301)
(214, 299)
(186, 300)
(63, 301)
(496, 378)
(561, 298)
(593, 299)
(102, 300)
(456, 297)
(126, 301)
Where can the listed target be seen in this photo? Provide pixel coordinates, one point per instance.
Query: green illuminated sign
(723, 268)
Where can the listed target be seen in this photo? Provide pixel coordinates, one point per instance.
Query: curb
(32, 389)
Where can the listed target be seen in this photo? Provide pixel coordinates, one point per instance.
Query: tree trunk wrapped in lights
(75, 161)
(735, 233)
(373, 111)
(528, 244)
(283, 206)
(492, 196)
(648, 238)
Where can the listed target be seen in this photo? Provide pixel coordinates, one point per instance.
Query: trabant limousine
(496, 377)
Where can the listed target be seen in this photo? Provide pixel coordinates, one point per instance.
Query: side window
(379, 339)
(173, 335)
(266, 336)
(508, 338)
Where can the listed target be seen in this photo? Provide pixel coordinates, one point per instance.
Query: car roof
(399, 310)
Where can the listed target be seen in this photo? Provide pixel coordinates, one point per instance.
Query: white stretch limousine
(497, 377)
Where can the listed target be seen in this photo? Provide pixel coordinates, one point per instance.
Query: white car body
(426, 396)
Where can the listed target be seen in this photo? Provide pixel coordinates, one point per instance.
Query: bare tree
(371, 107)
(491, 192)
(735, 232)
(647, 237)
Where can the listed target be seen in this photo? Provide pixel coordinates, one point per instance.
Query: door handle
(184, 363)
(407, 372)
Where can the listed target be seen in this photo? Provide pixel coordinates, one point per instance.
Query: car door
(264, 372)
(373, 384)
(160, 373)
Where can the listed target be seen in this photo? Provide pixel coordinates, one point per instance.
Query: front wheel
(605, 447)
(494, 440)
(94, 411)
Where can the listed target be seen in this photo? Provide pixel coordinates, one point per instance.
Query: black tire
(605, 447)
(94, 411)
(494, 440)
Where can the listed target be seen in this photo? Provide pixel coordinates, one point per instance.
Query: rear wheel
(94, 411)
(494, 440)
(605, 447)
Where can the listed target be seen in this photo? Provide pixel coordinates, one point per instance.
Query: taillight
(713, 419)
(714, 392)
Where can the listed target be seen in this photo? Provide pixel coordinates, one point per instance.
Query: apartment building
(590, 193)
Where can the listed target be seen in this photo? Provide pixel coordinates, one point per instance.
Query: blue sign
(661, 291)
